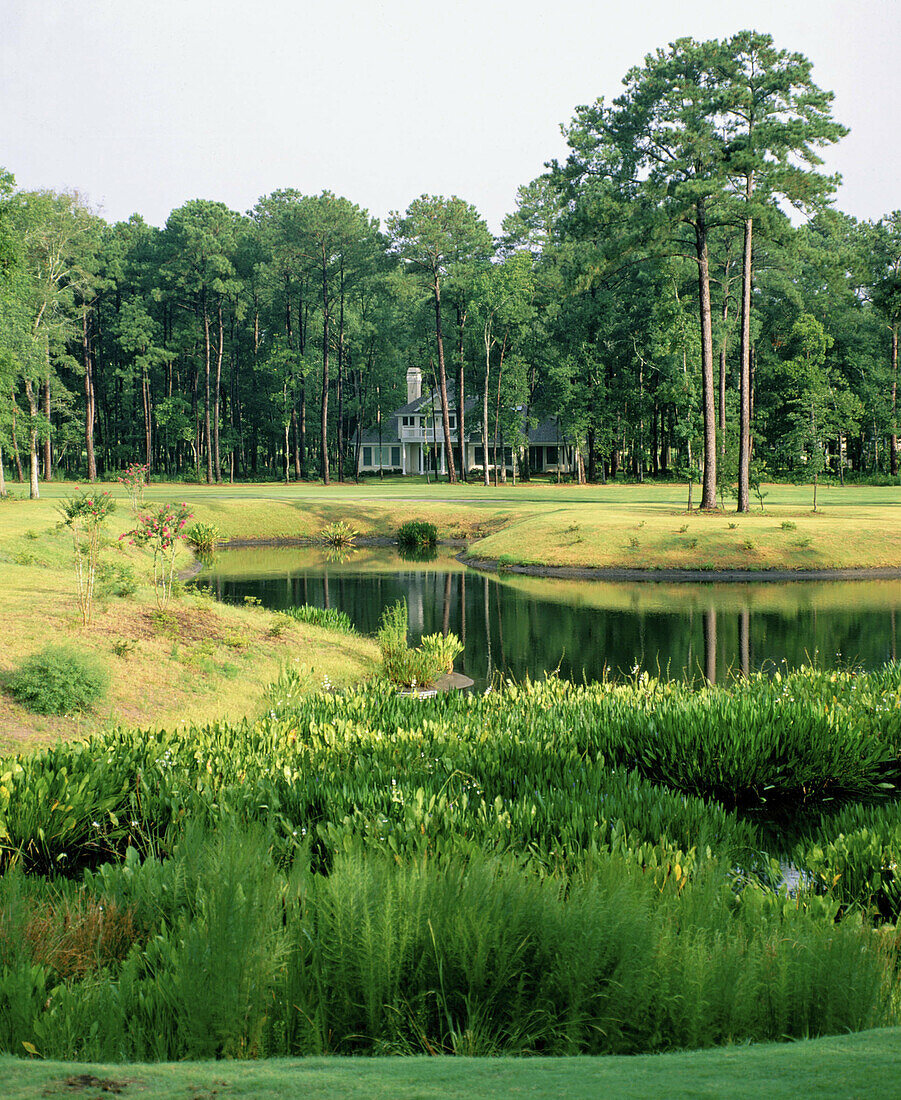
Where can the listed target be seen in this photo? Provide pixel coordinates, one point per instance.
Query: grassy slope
(847, 1066)
(200, 661)
(574, 525)
(214, 660)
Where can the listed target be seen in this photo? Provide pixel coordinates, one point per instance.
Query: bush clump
(59, 680)
(416, 534)
(203, 537)
(329, 617)
(405, 666)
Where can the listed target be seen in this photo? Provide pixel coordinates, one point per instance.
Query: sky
(141, 105)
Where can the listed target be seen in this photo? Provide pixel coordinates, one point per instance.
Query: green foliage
(328, 617)
(338, 534)
(417, 534)
(58, 680)
(116, 578)
(203, 537)
(84, 513)
(405, 666)
(228, 954)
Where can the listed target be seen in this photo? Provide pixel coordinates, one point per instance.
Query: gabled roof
(433, 397)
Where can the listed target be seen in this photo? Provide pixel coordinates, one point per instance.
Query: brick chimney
(414, 384)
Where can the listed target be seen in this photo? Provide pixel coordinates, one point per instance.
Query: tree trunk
(35, 491)
(48, 451)
(325, 365)
(148, 439)
(893, 460)
(461, 321)
(485, 477)
(217, 465)
(744, 428)
(20, 476)
(341, 446)
(708, 496)
(89, 400)
(442, 384)
(207, 434)
(497, 416)
(723, 349)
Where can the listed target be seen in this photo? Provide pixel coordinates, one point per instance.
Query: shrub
(58, 680)
(116, 579)
(443, 649)
(84, 513)
(203, 537)
(338, 534)
(328, 617)
(788, 525)
(134, 479)
(408, 667)
(417, 533)
(160, 531)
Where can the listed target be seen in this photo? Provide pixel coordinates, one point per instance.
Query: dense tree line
(651, 291)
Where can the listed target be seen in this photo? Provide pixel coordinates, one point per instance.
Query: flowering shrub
(135, 480)
(84, 513)
(159, 531)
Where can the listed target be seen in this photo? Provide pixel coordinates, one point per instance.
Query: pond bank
(654, 573)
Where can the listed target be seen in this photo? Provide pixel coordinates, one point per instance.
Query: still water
(514, 625)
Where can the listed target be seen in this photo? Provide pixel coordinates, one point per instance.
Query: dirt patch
(187, 624)
(84, 1082)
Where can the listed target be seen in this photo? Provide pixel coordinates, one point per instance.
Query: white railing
(425, 435)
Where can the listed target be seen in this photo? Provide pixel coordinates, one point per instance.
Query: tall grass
(550, 868)
(466, 956)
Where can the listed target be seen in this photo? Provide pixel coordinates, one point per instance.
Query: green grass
(199, 661)
(612, 526)
(830, 1069)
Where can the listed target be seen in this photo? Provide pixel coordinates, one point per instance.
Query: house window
(452, 421)
(551, 456)
(479, 456)
(367, 456)
(395, 456)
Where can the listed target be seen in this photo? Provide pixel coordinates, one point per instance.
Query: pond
(515, 625)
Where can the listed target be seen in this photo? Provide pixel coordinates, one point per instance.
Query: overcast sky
(144, 104)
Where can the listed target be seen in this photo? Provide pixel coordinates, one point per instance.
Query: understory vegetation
(549, 868)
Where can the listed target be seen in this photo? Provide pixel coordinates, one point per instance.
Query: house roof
(432, 396)
(547, 431)
(371, 435)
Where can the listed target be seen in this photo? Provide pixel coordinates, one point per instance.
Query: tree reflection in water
(517, 626)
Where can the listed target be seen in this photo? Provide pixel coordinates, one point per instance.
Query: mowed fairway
(615, 526)
(837, 1068)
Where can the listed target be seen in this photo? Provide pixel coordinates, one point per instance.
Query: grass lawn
(197, 661)
(615, 526)
(861, 1065)
(204, 660)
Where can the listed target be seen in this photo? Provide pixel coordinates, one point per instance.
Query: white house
(412, 438)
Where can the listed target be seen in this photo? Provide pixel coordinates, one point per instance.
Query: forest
(681, 292)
